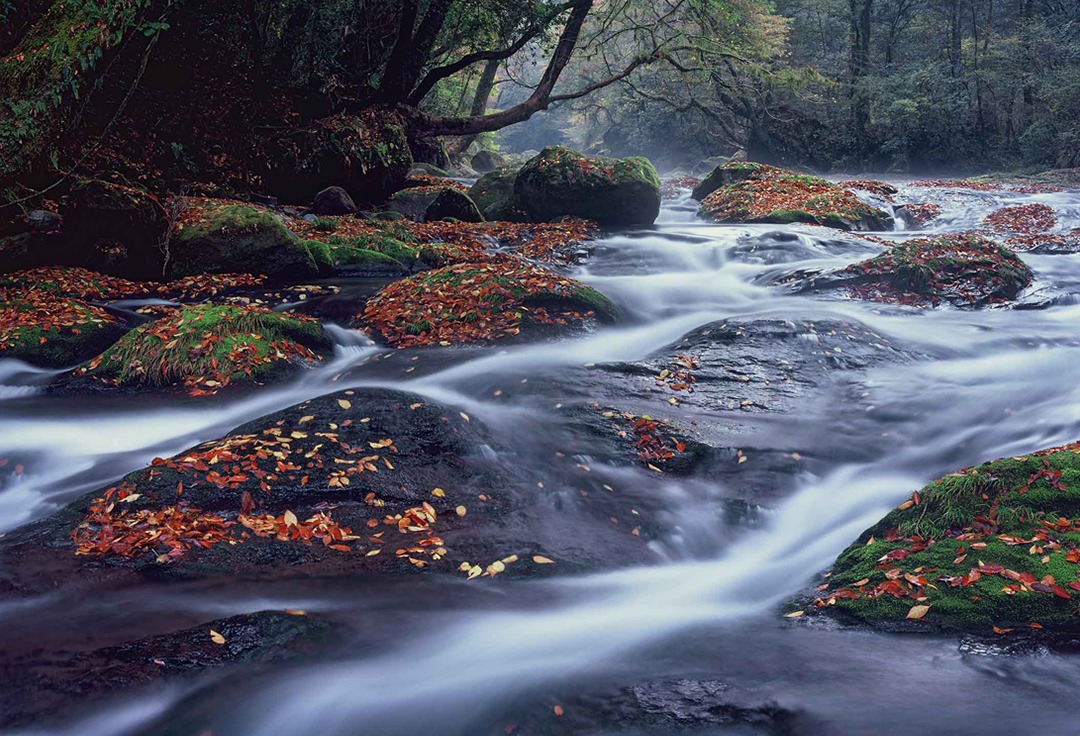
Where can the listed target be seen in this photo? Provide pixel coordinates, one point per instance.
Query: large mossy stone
(207, 346)
(561, 182)
(730, 172)
(114, 229)
(52, 331)
(366, 154)
(996, 545)
(240, 238)
(494, 187)
(757, 193)
(450, 203)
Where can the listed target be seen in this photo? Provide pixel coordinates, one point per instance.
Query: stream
(440, 654)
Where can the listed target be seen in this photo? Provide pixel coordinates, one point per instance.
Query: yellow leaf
(917, 612)
(460, 511)
(308, 418)
(794, 614)
(289, 518)
(464, 415)
(344, 403)
(295, 612)
(216, 637)
(438, 493)
(541, 560)
(373, 552)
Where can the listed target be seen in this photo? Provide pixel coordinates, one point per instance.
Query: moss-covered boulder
(333, 201)
(487, 160)
(561, 182)
(481, 302)
(52, 331)
(451, 203)
(207, 347)
(728, 173)
(366, 154)
(413, 202)
(996, 545)
(964, 270)
(115, 229)
(494, 195)
(760, 193)
(217, 237)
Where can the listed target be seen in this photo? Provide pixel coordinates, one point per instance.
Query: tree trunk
(859, 64)
(480, 99)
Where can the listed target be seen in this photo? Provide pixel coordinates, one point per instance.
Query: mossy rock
(114, 228)
(995, 545)
(51, 331)
(482, 302)
(964, 270)
(560, 182)
(757, 193)
(239, 238)
(452, 204)
(728, 173)
(366, 154)
(494, 188)
(413, 202)
(208, 346)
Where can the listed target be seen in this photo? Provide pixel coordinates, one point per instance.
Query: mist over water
(986, 384)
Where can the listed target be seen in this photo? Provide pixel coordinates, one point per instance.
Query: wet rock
(413, 202)
(487, 160)
(748, 192)
(991, 548)
(53, 331)
(560, 182)
(964, 270)
(429, 150)
(494, 196)
(1046, 243)
(207, 347)
(239, 238)
(666, 706)
(451, 203)
(44, 684)
(366, 154)
(333, 201)
(482, 302)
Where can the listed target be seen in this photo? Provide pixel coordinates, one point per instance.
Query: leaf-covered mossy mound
(216, 236)
(72, 281)
(965, 270)
(561, 182)
(997, 545)
(479, 302)
(366, 154)
(760, 193)
(50, 331)
(207, 347)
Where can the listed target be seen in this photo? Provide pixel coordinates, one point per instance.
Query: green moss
(243, 239)
(228, 342)
(1004, 512)
(494, 187)
(53, 332)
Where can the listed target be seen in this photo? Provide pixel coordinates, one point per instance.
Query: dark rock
(429, 150)
(494, 195)
(43, 683)
(412, 202)
(114, 229)
(560, 182)
(43, 220)
(450, 203)
(366, 154)
(333, 201)
(487, 160)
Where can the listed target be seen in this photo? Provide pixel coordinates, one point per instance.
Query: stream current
(454, 657)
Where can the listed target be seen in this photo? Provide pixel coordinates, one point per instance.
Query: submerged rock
(964, 270)
(207, 347)
(560, 182)
(748, 192)
(218, 237)
(43, 683)
(480, 302)
(996, 545)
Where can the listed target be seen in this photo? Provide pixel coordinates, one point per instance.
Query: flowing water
(453, 657)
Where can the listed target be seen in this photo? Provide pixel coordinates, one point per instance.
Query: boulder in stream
(560, 182)
(964, 270)
(757, 193)
(53, 331)
(984, 549)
